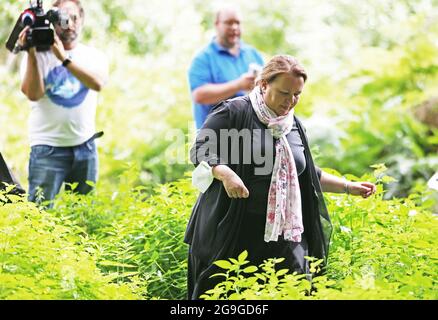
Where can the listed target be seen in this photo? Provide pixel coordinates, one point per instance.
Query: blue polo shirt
(215, 64)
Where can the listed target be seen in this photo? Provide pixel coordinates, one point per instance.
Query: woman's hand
(233, 185)
(364, 189)
(331, 183)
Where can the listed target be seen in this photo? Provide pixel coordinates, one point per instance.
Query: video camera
(39, 35)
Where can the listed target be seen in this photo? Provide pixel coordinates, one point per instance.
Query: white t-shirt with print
(65, 115)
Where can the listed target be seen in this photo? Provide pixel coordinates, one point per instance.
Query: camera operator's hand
(22, 40)
(88, 77)
(32, 85)
(58, 48)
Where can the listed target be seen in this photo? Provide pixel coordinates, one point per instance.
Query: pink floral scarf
(284, 214)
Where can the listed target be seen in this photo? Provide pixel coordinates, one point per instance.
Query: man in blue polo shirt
(224, 69)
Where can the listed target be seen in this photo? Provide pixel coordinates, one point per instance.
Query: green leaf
(282, 272)
(250, 269)
(388, 179)
(116, 264)
(129, 274)
(223, 264)
(234, 296)
(260, 276)
(219, 275)
(242, 257)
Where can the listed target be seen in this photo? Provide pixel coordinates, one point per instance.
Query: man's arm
(205, 91)
(90, 79)
(211, 93)
(32, 85)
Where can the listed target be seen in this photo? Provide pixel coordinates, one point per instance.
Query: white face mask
(202, 176)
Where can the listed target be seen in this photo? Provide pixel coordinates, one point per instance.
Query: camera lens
(28, 18)
(53, 15)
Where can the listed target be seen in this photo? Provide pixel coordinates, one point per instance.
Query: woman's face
(282, 94)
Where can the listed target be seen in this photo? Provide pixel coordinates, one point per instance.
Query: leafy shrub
(380, 250)
(388, 244)
(140, 237)
(369, 111)
(43, 257)
(151, 238)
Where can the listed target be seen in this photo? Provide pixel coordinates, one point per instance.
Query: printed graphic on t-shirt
(64, 89)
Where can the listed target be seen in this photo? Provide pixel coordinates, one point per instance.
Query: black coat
(6, 176)
(214, 225)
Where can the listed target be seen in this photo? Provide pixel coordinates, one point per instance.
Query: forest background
(370, 108)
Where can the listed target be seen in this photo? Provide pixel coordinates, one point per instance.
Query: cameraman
(62, 85)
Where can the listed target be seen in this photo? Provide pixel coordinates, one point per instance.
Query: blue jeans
(50, 166)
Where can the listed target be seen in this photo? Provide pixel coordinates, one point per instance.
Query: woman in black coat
(265, 194)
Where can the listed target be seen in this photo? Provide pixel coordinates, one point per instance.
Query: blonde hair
(281, 64)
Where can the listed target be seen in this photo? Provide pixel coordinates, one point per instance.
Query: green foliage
(152, 239)
(264, 282)
(43, 257)
(126, 241)
(358, 111)
(371, 118)
(139, 237)
(390, 244)
(380, 250)
(369, 65)
(127, 244)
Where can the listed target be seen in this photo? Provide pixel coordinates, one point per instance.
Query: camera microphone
(28, 18)
(40, 33)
